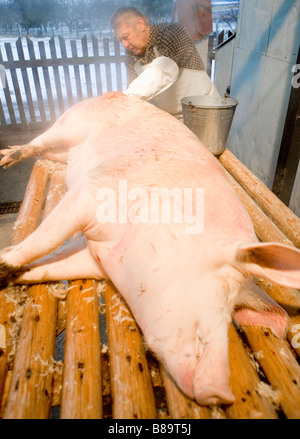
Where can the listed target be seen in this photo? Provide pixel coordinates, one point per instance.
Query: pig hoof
(11, 156)
(211, 395)
(9, 273)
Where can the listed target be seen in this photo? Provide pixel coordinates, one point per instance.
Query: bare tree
(34, 13)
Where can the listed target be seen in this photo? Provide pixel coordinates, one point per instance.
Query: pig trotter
(15, 154)
(9, 273)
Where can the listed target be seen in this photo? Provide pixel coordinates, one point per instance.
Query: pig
(184, 285)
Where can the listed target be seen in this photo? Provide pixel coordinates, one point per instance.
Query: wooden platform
(108, 373)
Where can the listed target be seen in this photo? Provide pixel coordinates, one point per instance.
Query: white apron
(165, 84)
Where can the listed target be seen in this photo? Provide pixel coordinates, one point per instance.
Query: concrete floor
(13, 182)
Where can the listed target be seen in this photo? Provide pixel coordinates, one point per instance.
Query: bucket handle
(191, 106)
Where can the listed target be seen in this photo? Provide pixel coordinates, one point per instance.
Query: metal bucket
(210, 118)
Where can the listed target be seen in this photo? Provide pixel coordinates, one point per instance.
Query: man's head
(131, 28)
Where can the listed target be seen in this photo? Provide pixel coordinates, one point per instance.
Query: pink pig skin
(183, 289)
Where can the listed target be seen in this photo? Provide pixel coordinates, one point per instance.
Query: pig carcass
(183, 280)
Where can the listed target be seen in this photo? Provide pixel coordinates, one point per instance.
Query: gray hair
(127, 14)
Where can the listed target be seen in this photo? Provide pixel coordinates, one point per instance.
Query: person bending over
(162, 61)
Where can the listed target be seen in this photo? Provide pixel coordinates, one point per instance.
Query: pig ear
(277, 262)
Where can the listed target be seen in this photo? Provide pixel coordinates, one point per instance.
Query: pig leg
(40, 146)
(59, 135)
(58, 154)
(74, 213)
(73, 261)
(70, 129)
(16, 154)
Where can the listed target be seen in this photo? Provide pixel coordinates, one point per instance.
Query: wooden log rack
(109, 373)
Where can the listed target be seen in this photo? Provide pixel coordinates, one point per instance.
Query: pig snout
(210, 383)
(203, 377)
(193, 346)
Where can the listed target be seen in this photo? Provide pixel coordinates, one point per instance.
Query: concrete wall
(265, 50)
(223, 66)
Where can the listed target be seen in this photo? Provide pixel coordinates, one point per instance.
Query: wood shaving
(101, 286)
(104, 348)
(57, 289)
(264, 389)
(17, 225)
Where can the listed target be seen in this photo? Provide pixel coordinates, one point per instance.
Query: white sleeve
(157, 76)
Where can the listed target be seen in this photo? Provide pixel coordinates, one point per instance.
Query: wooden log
(31, 383)
(267, 231)
(275, 209)
(264, 228)
(82, 388)
(244, 382)
(132, 392)
(279, 366)
(288, 298)
(7, 319)
(27, 221)
(29, 215)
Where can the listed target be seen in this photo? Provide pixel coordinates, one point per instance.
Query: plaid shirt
(172, 41)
